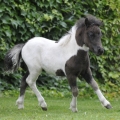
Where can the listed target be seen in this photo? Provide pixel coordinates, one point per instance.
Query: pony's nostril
(100, 51)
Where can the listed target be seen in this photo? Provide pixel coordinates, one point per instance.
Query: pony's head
(88, 33)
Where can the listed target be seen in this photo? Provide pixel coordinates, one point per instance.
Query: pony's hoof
(74, 109)
(43, 105)
(44, 108)
(108, 106)
(20, 105)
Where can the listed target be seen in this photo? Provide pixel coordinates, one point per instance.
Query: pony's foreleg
(31, 80)
(89, 79)
(74, 89)
(23, 86)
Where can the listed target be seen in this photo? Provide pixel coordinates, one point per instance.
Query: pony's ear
(87, 23)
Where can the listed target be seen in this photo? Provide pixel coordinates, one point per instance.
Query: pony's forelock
(92, 20)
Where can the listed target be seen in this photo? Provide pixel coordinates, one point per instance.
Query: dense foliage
(21, 20)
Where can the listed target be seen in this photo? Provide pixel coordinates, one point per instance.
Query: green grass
(88, 109)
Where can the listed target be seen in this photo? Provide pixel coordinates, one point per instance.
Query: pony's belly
(52, 64)
(52, 69)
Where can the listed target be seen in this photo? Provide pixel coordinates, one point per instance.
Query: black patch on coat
(60, 72)
(23, 84)
(87, 75)
(77, 63)
(80, 36)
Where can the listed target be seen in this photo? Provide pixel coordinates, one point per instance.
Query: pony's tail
(12, 58)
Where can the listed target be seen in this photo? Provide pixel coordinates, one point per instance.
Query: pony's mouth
(98, 51)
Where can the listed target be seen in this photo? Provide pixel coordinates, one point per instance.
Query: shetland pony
(68, 57)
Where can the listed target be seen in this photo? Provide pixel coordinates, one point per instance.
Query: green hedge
(21, 20)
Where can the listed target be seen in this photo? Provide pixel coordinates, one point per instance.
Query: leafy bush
(21, 20)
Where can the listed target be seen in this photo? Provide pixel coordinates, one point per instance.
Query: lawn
(88, 109)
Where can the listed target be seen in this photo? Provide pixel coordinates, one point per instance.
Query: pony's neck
(70, 41)
(64, 40)
(78, 43)
(80, 36)
(68, 38)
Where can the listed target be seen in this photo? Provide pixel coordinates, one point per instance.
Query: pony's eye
(99, 33)
(90, 34)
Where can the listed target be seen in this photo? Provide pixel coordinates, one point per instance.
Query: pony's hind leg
(31, 81)
(23, 86)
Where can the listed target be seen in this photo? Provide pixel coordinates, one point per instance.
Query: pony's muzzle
(100, 51)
